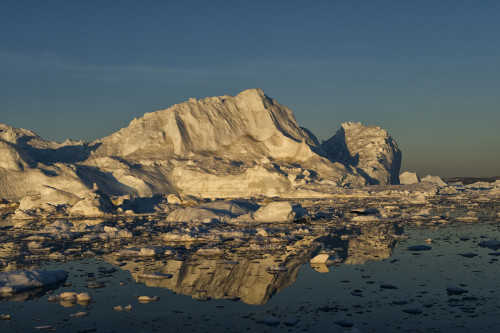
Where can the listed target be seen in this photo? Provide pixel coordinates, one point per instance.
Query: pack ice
(244, 146)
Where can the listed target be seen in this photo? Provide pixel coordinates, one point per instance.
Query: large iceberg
(247, 145)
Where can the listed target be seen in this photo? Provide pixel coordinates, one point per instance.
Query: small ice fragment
(269, 321)
(344, 323)
(122, 308)
(419, 248)
(44, 327)
(413, 310)
(79, 314)
(84, 298)
(292, 321)
(454, 290)
(5, 316)
(146, 299)
(95, 285)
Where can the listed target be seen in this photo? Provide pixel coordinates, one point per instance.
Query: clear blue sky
(427, 71)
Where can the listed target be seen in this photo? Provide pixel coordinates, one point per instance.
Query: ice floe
(16, 281)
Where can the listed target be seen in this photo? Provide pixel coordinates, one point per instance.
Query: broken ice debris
(79, 314)
(122, 308)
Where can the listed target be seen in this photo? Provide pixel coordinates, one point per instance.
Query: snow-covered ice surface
(382, 258)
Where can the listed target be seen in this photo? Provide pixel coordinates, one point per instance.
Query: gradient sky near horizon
(427, 71)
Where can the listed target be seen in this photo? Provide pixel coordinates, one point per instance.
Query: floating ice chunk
(5, 316)
(270, 321)
(68, 296)
(455, 290)
(79, 314)
(84, 297)
(281, 211)
(407, 178)
(123, 308)
(15, 281)
(44, 327)
(147, 252)
(435, 180)
(147, 299)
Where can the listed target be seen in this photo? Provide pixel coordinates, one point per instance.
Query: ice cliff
(226, 146)
(368, 149)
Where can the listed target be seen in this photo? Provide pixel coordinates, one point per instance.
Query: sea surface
(434, 268)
